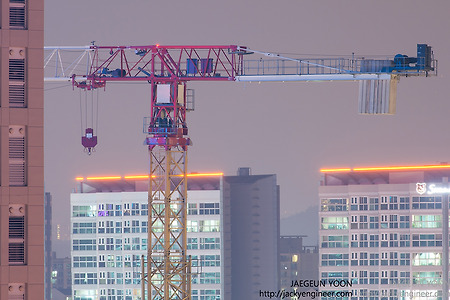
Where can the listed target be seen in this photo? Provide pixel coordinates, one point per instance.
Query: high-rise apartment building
(251, 221)
(21, 150)
(233, 234)
(109, 219)
(385, 231)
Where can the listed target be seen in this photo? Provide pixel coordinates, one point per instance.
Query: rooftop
(140, 183)
(385, 174)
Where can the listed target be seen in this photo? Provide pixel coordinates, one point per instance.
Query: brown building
(21, 150)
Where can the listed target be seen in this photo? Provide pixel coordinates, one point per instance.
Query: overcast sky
(288, 129)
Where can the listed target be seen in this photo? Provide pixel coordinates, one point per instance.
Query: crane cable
(81, 114)
(94, 111)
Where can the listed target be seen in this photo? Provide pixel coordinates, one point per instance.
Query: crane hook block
(89, 140)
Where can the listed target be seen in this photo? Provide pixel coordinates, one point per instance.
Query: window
(84, 245)
(427, 259)
(118, 210)
(404, 203)
(85, 278)
(209, 243)
(209, 209)
(363, 203)
(334, 223)
(426, 221)
(393, 240)
(404, 221)
(384, 259)
(393, 277)
(363, 259)
(374, 277)
(354, 222)
(83, 227)
(144, 209)
(427, 202)
(192, 243)
(17, 14)
(135, 226)
(84, 211)
(427, 278)
(17, 155)
(404, 278)
(427, 240)
(374, 259)
(393, 259)
(363, 277)
(209, 278)
(373, 204)
(192, 209)
(384, 277)
(384, 203)
(335, 275)
(374, 241)
(354, 260)
(335, 241)
(354, 242)
(135, 209)
(363, 224)
(338, 259)
(384, 222)
(393, 204)
(384, 240)
(373, 222)
(393, 221)
(363, 240)
(354, 204)
(404, 240)
(405, 259)
(84, 262)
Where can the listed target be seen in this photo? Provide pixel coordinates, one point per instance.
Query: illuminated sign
(421, 188)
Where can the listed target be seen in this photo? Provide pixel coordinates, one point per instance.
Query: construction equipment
(168, 69)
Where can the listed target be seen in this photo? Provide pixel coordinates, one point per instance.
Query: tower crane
(168, 69)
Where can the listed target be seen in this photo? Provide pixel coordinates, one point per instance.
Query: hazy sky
(290, 129)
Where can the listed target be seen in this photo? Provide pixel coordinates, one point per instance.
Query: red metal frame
(160, 63)
(173, 65)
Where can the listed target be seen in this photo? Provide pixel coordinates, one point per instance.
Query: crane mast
(167, 267)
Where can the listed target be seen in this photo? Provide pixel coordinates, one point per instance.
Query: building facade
(109, 235)
(297, 262)
(21, 149)
(251, 232)
(61, 275)
(48, 246)
(384, 230)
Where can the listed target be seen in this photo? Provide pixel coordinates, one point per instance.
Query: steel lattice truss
(168, 267)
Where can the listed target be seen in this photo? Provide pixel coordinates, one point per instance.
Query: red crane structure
(167, 267)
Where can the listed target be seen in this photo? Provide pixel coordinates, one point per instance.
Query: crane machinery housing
(167, 268)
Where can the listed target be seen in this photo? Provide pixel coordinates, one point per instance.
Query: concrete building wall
(250, 236)
(384, 235)
(113, 229)
(22, 171)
